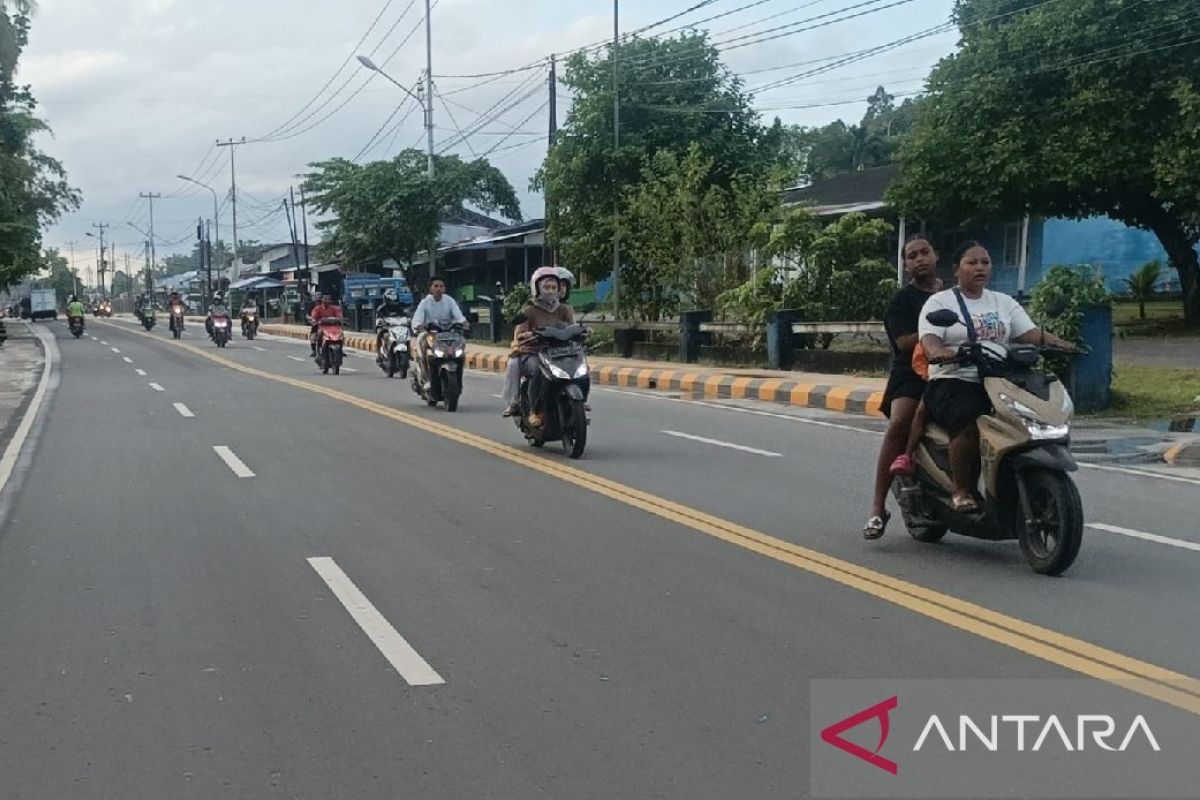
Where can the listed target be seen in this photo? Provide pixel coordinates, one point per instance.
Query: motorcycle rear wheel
(1052, 546)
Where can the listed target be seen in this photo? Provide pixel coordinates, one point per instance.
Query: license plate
(451, 367)
(560, 352)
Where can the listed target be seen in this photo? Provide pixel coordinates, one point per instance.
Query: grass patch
(1163, 318)
(1146, 392)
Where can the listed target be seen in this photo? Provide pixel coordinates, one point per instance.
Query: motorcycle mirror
(942, 318)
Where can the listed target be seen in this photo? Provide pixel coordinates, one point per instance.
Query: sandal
(511, 411)
(876, 526)
(903, 465)
(964, 504)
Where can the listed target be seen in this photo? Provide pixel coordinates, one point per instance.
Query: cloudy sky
(138, 91)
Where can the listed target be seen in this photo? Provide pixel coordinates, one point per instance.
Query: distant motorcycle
(220, 329)
(330, 343)
(148, 317)
(441, 378)
(250, 324)
(76, 326)
(393, 355)
(176, 321)
(562, 360)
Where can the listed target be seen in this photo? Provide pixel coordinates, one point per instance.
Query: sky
(137, 92)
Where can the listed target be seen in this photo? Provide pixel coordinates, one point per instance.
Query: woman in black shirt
(904, 386)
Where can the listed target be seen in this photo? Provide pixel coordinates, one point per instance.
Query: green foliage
(179, 264)
(1058, 301)
(675, 95)
(34, 190)
(1099, 114)
(836, 148)
(63, 280)
(391, 209)
(1142, 284)
(516, 299)
(689, 234)
(831, 273)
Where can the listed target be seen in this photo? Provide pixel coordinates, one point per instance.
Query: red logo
(833, 734)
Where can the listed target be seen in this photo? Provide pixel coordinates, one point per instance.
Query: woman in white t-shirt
(955, 397)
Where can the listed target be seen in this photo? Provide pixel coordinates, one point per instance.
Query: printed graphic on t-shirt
(990, 328)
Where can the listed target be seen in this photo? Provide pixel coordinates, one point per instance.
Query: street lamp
(216, 233)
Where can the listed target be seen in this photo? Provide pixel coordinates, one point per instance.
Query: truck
(42, 304)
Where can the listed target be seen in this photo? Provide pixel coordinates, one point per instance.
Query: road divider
(1071, 653)
(140, 372)
(1146, 537)
(127, 359)
(157, 387)
(708, 383)
(394, 647)
(718, 443)
(184, 411)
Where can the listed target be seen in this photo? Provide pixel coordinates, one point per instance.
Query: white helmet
(541, 274)
(391, 295)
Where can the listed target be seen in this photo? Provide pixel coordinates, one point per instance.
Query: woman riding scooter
(512, 372)
(545, 310)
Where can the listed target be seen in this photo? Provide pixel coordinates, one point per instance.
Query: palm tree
(1142, 284)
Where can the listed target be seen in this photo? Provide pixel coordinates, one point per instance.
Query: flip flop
(876, 526)
(903, 465)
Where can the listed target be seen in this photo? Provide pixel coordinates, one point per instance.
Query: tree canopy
(675, 95)
(391, 209)
(1072, 108)
(34, 190)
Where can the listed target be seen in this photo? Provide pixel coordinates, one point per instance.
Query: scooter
(1028, 494)
(562, 360)
(250, 324)
(220, 329)
(393, 354)
(329, 345)
(76, 326)
(176, 321)
(441, 378)
(148, 317)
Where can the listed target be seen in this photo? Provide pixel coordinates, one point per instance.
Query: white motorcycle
(393, 356)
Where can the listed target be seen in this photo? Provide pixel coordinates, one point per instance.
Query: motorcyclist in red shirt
(324, 308)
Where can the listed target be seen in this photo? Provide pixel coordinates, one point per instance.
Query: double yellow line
(1077, 655)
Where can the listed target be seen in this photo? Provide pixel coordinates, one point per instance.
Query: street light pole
(232, 145)
(616, 254)
(216, 234)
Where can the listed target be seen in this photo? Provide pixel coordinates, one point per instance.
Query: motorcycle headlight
(439, 352)
(1037, 429)
(458, 353)
(582, 370)
(559, 372)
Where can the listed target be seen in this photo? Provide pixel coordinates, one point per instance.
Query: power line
(507, 136)
(374, 140)
(674, 17)
(340, 68)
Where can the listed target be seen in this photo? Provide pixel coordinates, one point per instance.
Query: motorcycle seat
(936, 435)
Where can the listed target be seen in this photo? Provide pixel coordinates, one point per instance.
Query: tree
(674, 93)
(62, 279)
(689, 235)
(177, 264)
(1143, 283)
(35, 192)
(1071, 109)
(391, 209)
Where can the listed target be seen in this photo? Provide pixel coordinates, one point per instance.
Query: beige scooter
(1024, 443)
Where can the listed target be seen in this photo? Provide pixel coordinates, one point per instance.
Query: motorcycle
(250, 324)
(103, 310)
(177, 313)
(220, 329)
(148, 318)
(393, 354)
(441, 378)
(1028, 493)
(562, 360)
(329, 345)
(76, 326)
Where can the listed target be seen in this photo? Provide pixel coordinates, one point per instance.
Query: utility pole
(232, 145)
(151, 196)
(291, 219)
(304, 216)
(546, 201)
(102, 226)
(429, 92)
(71, 245)
(616, 286)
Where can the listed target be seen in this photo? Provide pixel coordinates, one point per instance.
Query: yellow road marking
(1077, 655)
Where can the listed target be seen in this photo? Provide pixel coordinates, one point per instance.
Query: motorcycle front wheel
(1051, 543)
(451, 389)
(573, 424)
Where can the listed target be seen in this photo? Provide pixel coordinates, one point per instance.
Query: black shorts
(902, 384)
(955, 404)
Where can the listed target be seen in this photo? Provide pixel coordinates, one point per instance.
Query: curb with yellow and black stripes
(713, 385)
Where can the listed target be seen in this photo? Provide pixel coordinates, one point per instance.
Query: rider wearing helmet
(545, 309)
(390, 307)
(216, 307)
(75, 310)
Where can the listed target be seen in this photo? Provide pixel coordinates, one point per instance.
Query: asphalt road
(179, 621)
